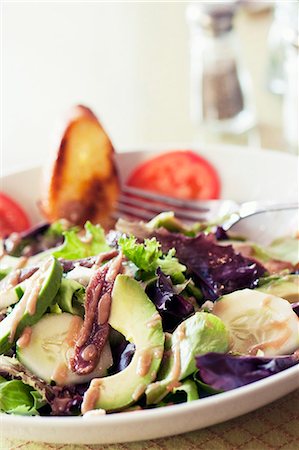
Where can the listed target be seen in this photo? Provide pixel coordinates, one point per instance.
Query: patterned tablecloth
(273, 427)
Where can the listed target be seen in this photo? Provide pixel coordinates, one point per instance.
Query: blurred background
(201, 72)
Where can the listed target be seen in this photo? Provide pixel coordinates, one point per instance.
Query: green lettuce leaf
(70, 297)
(19, 398)
(77, 247)
(57, 228)
(148, 257)
(189, 388)
(199, 334)
(144, 256)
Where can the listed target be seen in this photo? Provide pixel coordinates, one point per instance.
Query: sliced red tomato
(180, 174)
(12, 216)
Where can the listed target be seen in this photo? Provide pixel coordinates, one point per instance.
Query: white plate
(246, 174)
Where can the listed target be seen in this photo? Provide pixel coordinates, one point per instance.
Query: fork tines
(141, 204)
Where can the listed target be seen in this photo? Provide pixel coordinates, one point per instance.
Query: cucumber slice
(259, 322)
(42, 287)
(50, 348)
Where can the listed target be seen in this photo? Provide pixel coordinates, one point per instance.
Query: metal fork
(139, 204)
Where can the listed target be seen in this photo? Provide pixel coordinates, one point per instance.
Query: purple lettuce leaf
(217, 269)
(221, 234)
(295, 307)
(225, 372)
(173, 308)
(66, 400)
(30, 242)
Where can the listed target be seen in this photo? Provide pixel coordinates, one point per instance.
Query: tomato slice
(12, 216)
(180, 174)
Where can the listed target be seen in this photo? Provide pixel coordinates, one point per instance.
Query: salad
(143, 316)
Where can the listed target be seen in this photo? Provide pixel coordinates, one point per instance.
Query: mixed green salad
(147, 315)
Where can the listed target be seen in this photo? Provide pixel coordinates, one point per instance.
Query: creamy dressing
(114, 269)
(176, 370)
(158, 352)
(138, 392)
(104, 307)
(267, 302)
(10, 281)
(275, 343)
(33, 288)
(104, 257)
(91, 396)
(144, 362)
(33, 295)
(22, 261)
(74, 331)
(24, 339)
(154, 321)
(89, 352)
(29, 299)
(60, 374)
(181, 331)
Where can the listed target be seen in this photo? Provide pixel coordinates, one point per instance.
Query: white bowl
(246, 174)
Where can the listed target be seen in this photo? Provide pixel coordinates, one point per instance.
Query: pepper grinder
(221, 98)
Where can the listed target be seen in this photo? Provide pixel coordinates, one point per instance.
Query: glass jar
(285, 16)
(220, 85)
(290, 98)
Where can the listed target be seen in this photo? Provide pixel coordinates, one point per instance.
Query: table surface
(272, 427)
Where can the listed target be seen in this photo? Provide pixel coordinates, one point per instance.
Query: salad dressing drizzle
(104, 306)
(59, 374)
(24, 339)
(22, 262)
(29, 299)
(154, 321)
(91, 396)
(72, 335)
(181, 331)
(176, 371)
(138, 392)
(33, 296)
(104, 257)
(144, 362)
(34, 289)
(114, 269)
(275, 343)
(89, 352)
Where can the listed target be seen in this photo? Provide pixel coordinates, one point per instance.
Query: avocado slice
(168, 221)
(135, 316)
(197, 335)
(286, 287)
(49, 277)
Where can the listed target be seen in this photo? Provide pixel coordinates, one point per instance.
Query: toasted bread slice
(83, 183)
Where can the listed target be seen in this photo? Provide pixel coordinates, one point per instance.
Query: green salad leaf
(70, 297)
(19, 398)
(148, 257)
(199, 334)
(189, 388)
(144, 256)
(57, 228)
(77, 247)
